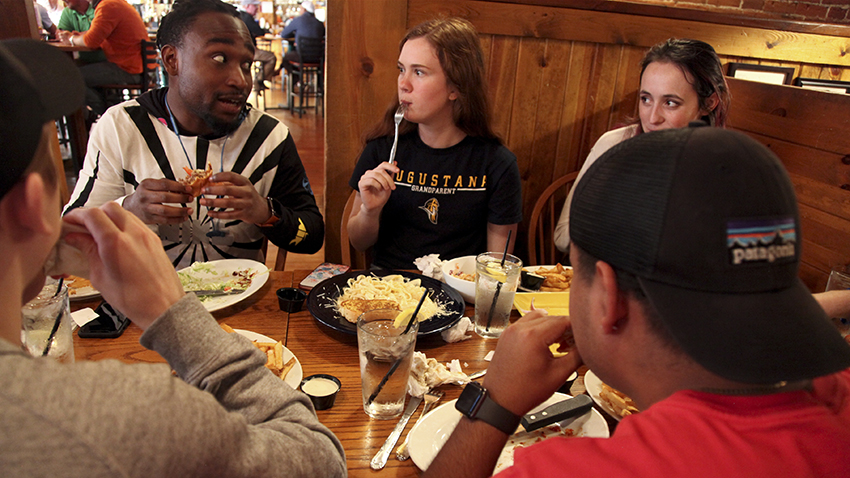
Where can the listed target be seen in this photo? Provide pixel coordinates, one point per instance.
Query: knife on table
(558, 412)
(380, 459)
(215, 292)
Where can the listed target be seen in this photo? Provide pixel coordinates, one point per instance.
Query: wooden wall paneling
(793, 114)
(573, 142)
(501, 59)
(624, 104)
(617, 28)
(18, 19)
(362, 53)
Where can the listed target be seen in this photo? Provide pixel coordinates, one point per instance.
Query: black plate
(323, 296)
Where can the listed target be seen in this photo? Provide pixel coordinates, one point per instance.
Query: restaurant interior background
(562, 72)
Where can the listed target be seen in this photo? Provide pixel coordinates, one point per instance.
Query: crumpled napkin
(430, 265)
(427, 373)
(459, 331)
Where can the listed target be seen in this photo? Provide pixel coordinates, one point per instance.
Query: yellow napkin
(556, 303)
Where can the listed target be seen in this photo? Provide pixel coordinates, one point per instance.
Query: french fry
(287, 367)
(274, 355)
(617, 401)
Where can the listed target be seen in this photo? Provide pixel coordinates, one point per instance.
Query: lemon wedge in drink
(495, 271)
(403, 316)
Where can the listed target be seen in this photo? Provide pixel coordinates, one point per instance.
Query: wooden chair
(544, 217)
(309, 74)
(350, 255)
(280, 259)
(116, 93)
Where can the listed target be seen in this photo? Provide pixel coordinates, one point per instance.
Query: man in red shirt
(118, 30)
(685, 246)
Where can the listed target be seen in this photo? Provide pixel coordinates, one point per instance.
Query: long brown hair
(698, 60)
(459, 51)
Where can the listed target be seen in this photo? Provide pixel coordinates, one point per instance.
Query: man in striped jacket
(139, 150)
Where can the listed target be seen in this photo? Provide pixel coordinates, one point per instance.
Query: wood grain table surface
(320, 350)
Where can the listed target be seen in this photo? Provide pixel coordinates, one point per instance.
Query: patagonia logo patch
(761, 240)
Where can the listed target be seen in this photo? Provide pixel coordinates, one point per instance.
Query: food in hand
(197, 179)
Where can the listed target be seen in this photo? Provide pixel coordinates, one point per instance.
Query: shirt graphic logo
(431, 207)
(761, 240)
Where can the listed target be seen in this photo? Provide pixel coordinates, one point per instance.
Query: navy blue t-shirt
(444, 198)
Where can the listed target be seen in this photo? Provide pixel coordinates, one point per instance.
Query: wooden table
(320, 350)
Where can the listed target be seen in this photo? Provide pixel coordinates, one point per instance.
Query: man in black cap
(231, 416)
(685, 296)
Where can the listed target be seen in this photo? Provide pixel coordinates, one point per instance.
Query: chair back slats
(544, 217)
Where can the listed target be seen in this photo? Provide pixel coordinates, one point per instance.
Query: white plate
(594, 388)
(293, 378)
(430, 433)
(537, 268)
(224, 266)
(82, 292)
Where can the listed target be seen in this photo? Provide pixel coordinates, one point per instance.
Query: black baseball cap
(38, 83)
(707, 220)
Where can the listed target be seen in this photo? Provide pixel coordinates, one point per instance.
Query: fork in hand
(431, 398)
(399, 115)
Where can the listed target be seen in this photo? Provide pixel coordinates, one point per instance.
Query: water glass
(386, 353)
(495, 286)
(839, 279)
(38, 317)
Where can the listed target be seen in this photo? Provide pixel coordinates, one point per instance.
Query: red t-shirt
(695, 434)
(118, 30)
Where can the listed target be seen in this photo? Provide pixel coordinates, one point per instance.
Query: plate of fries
(80, 288)
(614, 402)
(557, 277)
(280, 360)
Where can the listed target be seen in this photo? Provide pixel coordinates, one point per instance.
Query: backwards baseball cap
(308, 5)
(707, 220)
(38, 83)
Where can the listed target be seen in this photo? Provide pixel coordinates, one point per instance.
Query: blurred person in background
(78, 18)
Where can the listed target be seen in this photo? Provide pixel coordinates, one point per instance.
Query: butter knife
(215, 292)
(380, 459)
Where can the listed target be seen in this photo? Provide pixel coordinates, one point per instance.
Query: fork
(399, 115)
(431, 398)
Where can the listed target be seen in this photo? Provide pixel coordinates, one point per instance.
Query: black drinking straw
(55, 322)
(498, 284)
(398, 361)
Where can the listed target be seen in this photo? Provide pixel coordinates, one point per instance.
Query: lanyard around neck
(180, 139)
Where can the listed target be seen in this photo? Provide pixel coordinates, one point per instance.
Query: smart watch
(275, 208)
(475, 403)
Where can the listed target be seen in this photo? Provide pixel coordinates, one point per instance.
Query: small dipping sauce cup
(321, 389)
(290, 299)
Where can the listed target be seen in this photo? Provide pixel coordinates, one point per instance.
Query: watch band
(274, 218)
(494, 414)
(476, 404)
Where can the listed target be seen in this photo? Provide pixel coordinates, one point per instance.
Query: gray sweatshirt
(226, 414)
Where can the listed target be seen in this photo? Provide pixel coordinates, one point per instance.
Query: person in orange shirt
(118, 30)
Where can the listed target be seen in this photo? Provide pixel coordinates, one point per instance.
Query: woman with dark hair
(453, 188)
(681, 81)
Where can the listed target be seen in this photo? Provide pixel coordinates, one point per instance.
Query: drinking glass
(38, 317)
(495, 285)
(386, 353)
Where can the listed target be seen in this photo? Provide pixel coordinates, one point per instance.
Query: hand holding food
(127, 263)
(197, 179)
(150, 201)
